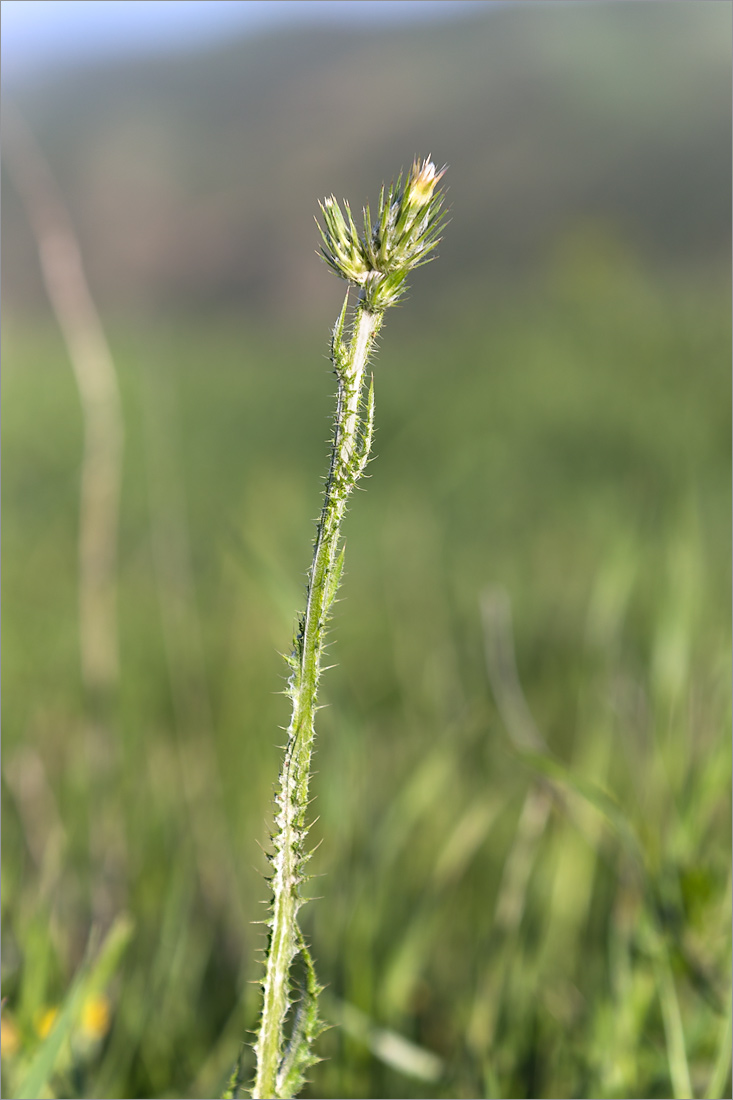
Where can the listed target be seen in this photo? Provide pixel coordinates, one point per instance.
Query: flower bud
(422, 182)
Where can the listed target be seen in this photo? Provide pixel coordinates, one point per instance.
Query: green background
(553, 429)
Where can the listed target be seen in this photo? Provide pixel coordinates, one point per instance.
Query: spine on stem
(405, 232)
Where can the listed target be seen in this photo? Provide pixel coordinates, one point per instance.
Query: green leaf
(604, 803)
(721, 1070)
(307, 1026)
(367, 434)
(334, 579)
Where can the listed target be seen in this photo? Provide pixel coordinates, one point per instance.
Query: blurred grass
(568, 443)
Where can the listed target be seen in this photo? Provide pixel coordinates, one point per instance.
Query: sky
(38, 35)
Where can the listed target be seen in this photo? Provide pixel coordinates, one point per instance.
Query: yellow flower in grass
(92, 1026)
(95, 1017)
(45, 1019)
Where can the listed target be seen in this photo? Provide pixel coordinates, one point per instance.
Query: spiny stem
(347, 463)
(404, 235)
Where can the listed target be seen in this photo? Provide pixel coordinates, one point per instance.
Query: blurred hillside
(193, 178)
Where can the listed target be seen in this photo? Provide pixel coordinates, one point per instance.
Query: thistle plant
(401, 237)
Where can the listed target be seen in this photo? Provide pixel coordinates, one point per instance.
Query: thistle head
(403, 236)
